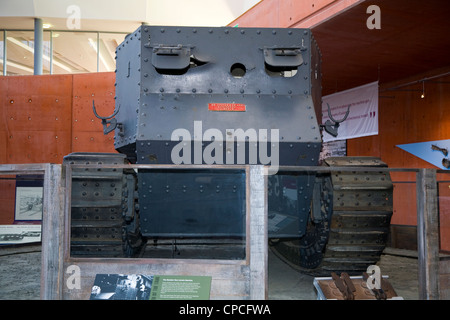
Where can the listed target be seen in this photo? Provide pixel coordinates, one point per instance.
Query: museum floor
(20, 275)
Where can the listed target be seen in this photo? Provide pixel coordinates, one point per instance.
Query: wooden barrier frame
(231, 279)
(434, 274)
(52, 218)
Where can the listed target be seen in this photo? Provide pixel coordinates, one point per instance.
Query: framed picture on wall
(28, 203)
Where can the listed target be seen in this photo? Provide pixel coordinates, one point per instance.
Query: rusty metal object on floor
(344, 287)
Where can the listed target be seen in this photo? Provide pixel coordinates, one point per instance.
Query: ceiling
(413, 39)
(119, 15)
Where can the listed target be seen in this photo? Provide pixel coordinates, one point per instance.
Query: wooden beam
(258, 233)
(52, 231)
(428, 234)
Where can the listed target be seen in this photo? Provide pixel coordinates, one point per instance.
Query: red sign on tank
(226, 107)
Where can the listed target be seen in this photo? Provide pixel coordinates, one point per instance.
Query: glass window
(64, 52)
(2, 47)
(74, 52)
(46, 54)
(2, 44)
(20, 52)
(108, 43)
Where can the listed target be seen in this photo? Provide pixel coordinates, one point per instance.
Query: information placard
(150, 287)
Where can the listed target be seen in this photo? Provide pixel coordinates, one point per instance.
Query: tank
(223, 97)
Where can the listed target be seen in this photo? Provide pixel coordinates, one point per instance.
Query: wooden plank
(403, 236)
(228, 280)
(52, 232)
(428, 234)
(444, 279)
(258, 233)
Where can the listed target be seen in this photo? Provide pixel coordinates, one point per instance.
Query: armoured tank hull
(220, 96)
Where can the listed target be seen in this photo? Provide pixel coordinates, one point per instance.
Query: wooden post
(428, 234)
(258, 233)
(52, 233)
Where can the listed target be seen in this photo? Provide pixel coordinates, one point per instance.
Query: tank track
(356, 234)
(98, 200)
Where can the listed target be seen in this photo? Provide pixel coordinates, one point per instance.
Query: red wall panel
(37, 118)
(44, 118)
(87, 130)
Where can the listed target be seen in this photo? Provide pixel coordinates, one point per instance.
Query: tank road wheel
(133, 243)
(312, 245)
(306, 253)
(358, 228)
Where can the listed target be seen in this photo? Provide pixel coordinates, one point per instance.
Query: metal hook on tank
(111, 121)
(331, 126)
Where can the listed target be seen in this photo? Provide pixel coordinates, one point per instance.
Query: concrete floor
(20, 275)
(401, 267)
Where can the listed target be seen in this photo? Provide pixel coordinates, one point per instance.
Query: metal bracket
(331, 126)
(113, 124)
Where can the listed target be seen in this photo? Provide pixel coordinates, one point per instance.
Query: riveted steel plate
(195, 203)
